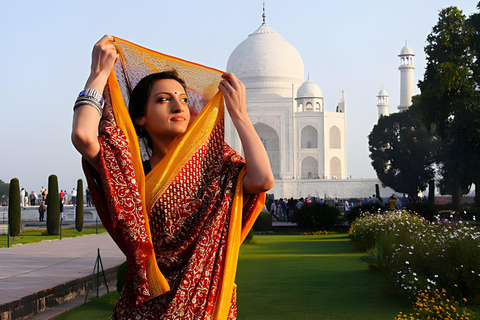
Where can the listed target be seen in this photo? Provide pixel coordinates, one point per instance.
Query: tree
(79, 207)
(448, 97)
(14, 209)
(474, 23)
(314, 217)
(402, 152)
(474, 121)
(4, 191)
(53, 206)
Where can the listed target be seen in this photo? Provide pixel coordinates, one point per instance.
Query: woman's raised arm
(86, 117)
(259, 176)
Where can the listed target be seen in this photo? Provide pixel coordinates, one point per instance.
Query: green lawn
(96, 309)
(35, 235)
(298, 277)
(310, 277)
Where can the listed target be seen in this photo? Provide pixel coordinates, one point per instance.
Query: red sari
(181, 226)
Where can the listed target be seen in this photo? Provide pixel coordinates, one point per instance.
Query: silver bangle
(93, 94)
(91, 102)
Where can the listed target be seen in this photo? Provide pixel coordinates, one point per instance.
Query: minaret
(407, 69)
(341, 104)
(382, 103)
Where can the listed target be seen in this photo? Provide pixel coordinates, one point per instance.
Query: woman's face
(167, 114)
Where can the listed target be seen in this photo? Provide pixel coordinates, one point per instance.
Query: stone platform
(38, 276)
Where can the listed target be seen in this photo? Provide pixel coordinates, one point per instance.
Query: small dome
(309, 89)
(382, 93)
(266, 54)
(406, 51)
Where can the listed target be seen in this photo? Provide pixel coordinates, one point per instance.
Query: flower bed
(436, 304)
(418, 255)
(368, 228)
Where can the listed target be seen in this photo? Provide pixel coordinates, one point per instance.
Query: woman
(182, 253)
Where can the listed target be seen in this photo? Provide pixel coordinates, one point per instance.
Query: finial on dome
(263, 15)
(308, 77)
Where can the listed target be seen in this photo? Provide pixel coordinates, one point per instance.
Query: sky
(46, 51)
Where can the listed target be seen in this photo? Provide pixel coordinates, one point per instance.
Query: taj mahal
(305, 140)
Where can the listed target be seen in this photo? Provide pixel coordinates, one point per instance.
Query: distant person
(405, 200)
(346, 210)
(283, 205)
(272, 207)
(424, 199)
(62, 194)
(74, 196)
(61, 209)
(26, 200)
(398, 204)
(22, 198)
(299, 204)
(392, 200)
(89, 197)
(41, 211)
(42, 194)
(290, 209)
(33, 198)
(374, 200)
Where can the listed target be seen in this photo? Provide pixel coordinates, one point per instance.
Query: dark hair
(137, 105)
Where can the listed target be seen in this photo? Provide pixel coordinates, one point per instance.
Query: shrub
(418, 255)
(79, 207)
(53, 206)
(14, 209)
(358, 211)
(472, 214)
(366, 230)
(263, 222)
(314, 217)
(121, 276)
(249, 236)
(426, 210)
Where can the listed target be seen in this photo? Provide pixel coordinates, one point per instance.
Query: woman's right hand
(104, 56)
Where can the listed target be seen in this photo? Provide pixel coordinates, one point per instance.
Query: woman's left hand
(234, 94)
(259, 177)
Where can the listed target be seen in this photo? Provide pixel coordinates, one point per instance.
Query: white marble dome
(406, 51)
(382, 93)
(309, 89)
(266, 54)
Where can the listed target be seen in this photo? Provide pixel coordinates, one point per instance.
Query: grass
(96, 309)
(299, 277)
(311, 277)
(37, 235)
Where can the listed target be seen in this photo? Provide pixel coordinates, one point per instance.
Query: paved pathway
(27, 269)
